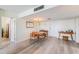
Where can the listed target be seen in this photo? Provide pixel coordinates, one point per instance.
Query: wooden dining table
(37, 34)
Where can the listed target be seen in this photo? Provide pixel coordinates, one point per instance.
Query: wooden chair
(45, 32)
(34, 35)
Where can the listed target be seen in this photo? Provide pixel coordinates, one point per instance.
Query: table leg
(59, 36)
(71, 37)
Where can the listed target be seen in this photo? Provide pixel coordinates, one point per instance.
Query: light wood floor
(46, 46)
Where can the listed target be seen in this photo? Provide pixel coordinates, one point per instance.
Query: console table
(68, 33)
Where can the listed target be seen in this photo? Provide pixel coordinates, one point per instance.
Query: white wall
(62, 25)
(53, 26)
(77, 30)
(20, 29)
(23, 33)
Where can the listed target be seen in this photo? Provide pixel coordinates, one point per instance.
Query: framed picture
(29, 24)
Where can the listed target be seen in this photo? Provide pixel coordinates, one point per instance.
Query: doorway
(5, 30)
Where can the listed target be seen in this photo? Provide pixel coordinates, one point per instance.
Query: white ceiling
(62, 11)
(14, 10)
(59, 12)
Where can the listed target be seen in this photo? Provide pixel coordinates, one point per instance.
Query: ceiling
(62, 11)
(59, 12)
(14, 10)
